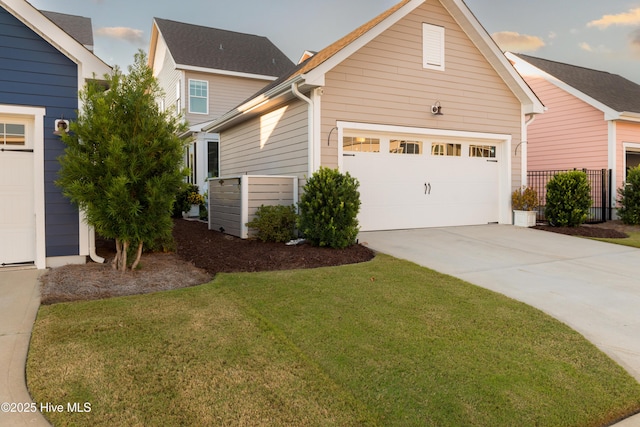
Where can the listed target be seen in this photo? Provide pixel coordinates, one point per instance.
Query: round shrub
(274, 223)
(329, 208)
(629, 211)
(568, 199)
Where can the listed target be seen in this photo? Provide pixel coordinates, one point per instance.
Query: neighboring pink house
(592, 119)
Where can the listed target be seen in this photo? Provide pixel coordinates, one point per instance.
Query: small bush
(524, 199)
(274, 223)
(568, 199)
(329, 208)
(187, 196)
(629, 211)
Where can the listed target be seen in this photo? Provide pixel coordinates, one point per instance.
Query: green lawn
(633, 240)
(381, 343)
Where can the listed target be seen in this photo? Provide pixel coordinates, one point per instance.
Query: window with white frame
(199, 96)
(397, 146)
(12, 134)
(433, 47)
(445, 149)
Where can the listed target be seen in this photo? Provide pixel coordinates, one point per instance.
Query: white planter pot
(524, 218)
(194, 212)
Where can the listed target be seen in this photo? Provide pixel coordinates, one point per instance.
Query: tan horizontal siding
(385, 83)
(274, 144)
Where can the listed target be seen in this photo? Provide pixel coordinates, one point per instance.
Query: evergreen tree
(122, 163)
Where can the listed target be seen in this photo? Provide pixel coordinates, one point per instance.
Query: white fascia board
(224, 72)
(89, 65)
(492, 52)
(316, 75)
(527, 69)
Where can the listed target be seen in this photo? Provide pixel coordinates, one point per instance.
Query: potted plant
(524, 201)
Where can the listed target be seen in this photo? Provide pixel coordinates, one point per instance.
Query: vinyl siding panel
(272, 144)
(168, 78)
(571, 134)
(34, 73)
(225, 93)
(385, 83)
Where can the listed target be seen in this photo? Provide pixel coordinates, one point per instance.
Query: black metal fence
(601, 192)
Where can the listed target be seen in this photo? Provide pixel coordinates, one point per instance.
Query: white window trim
(206, 98)
(432, 47)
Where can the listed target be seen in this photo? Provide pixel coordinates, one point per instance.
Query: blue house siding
(34, 73)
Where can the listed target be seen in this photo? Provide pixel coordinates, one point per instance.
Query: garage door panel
(402, 191)
(17, 218)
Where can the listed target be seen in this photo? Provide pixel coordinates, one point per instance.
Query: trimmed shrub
(524, 199)
(568, 199)
(629, 211)
(329, 208)
(275, 223)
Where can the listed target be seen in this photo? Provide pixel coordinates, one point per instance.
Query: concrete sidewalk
(19, 302)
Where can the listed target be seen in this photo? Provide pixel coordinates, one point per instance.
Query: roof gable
(611, 90)
(311, 72)
(214, 49)
(89, 65)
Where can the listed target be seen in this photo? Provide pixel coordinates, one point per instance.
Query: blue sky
(600, 35)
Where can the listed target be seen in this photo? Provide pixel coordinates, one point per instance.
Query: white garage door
(412, 182)
(17, 218)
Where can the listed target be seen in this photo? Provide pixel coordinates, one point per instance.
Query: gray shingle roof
(612, 90)
(78, 27)
(217, 49)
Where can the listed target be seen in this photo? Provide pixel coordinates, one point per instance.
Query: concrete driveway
(591, 286)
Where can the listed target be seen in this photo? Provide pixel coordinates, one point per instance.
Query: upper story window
(433, 47)
(199, 96)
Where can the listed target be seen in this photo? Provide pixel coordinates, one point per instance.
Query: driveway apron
(591, 286)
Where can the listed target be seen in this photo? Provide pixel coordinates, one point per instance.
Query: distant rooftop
(612, 90)
(212, 48)
(78, 27)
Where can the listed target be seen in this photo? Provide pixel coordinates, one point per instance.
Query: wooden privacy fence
(602, 194)
(233, 201)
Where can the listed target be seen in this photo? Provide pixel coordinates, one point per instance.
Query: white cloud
(552, 35)
(122, 33)
(586, 47)
(516, 42)
(634, 41)
(632, 17)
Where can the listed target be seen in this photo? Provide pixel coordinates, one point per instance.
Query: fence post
(603, 193)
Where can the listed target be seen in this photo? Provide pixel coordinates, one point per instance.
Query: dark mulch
(200, 255)
(216, 252)
(606, 230)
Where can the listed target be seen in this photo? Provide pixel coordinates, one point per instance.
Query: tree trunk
(123, 260)
(138, 255)
(116, 261)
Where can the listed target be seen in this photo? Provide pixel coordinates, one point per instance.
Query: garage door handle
(427, 188)
(348, 155)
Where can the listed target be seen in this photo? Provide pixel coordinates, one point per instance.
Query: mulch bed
(216, 252)
(586, 231)
(201, 254)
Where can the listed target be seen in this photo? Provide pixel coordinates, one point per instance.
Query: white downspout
(92, 247)
(524, 152)
(311, 126)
